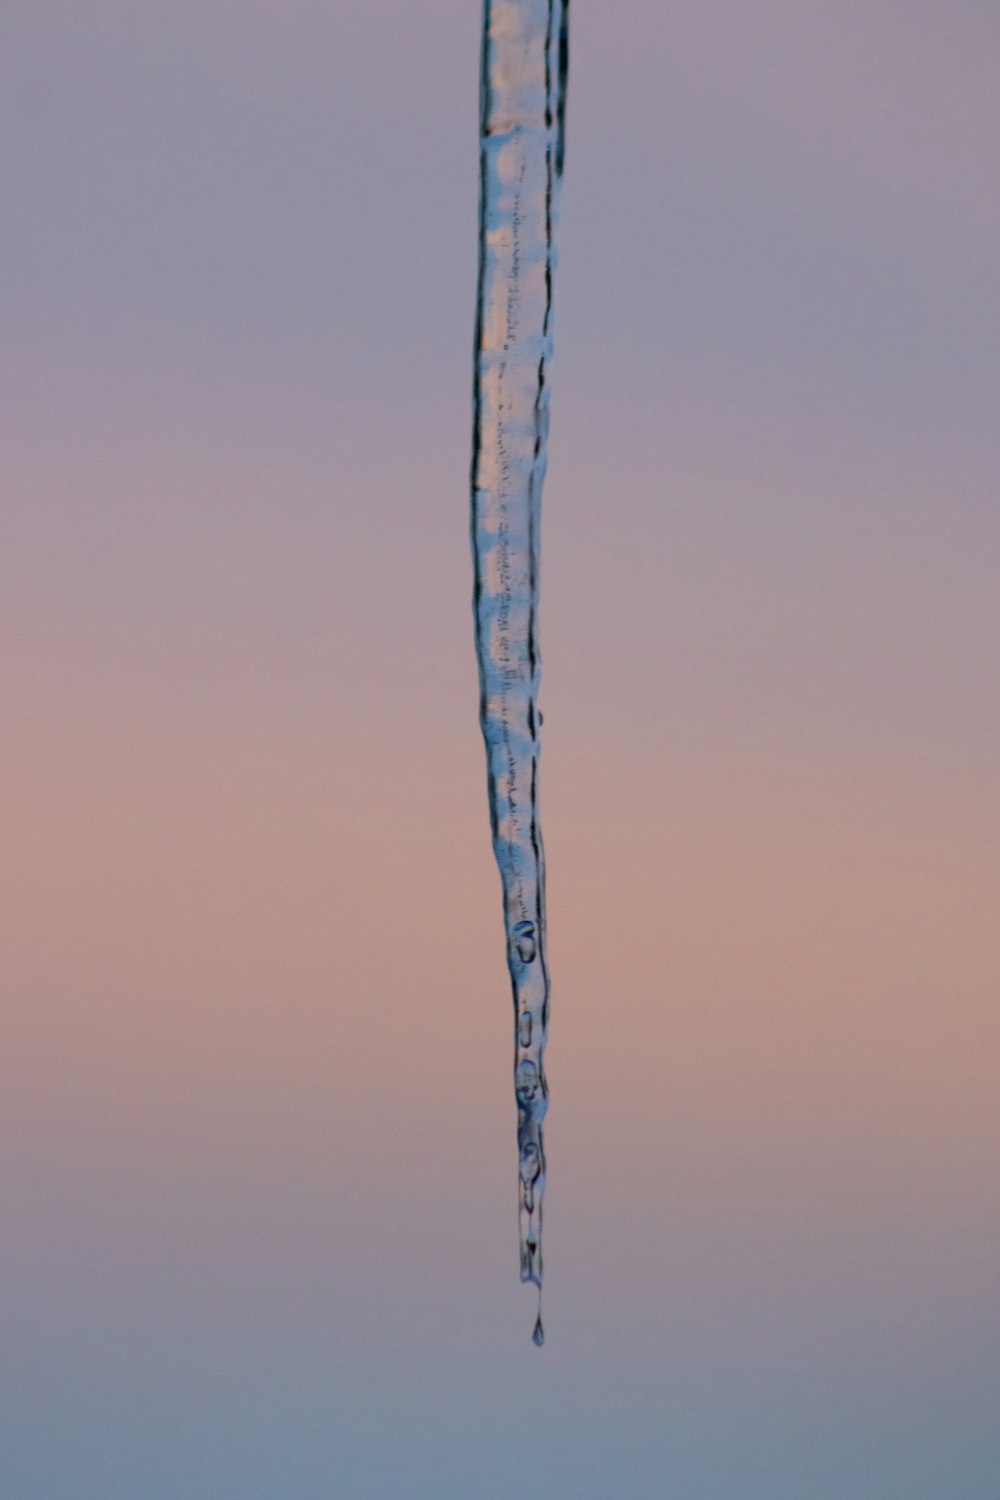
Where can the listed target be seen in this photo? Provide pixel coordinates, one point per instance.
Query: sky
(257, 1151)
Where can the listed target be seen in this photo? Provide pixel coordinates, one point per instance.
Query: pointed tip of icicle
(538, 1336)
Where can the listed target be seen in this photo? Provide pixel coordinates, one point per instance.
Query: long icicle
(524, 65)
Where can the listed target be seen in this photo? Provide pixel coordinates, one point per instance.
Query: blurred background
(258, 1154)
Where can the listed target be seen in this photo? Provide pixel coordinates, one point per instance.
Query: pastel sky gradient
(257, 1150)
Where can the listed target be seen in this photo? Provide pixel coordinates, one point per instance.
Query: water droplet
(527, 1085)
(538, 1337)
(524, 941)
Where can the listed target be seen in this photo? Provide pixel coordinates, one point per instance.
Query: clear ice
(523, 91)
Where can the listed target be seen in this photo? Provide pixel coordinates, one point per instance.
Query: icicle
(524, 65)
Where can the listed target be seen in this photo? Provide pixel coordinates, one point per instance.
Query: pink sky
(258, 1128)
